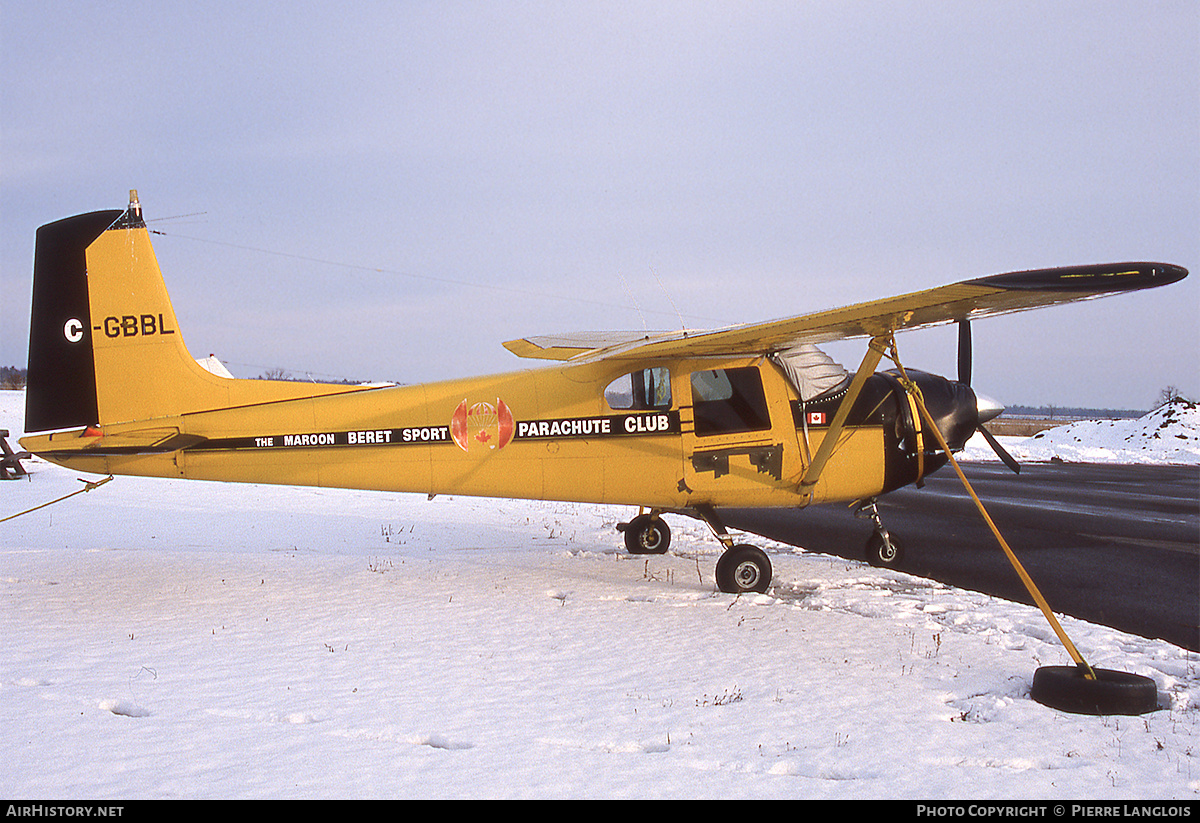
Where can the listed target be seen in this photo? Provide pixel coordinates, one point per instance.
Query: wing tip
(1100, 278)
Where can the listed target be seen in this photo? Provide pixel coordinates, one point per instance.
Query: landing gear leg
(882, 549)
(741, 568)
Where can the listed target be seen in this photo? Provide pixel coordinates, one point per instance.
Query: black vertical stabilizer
(61, 386)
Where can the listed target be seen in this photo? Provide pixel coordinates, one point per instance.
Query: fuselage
(728, 432)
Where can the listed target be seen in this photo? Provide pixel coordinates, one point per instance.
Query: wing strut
(875, 352)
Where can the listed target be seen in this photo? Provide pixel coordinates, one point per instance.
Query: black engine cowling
(911, 452)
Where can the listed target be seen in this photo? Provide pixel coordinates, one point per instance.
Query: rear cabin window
(727, 401)
(641, 390)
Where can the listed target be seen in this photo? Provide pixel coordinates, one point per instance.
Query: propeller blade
(964, 351)
(1004, 456)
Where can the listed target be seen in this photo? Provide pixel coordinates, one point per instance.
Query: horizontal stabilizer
(92, 440)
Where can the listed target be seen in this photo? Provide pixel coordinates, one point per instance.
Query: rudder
(61, 384)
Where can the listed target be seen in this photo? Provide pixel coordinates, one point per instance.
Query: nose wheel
(882, 549)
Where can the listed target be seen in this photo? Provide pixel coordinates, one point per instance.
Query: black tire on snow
(878, 554)
(1067, 689)
(647, 534)
(743, 568)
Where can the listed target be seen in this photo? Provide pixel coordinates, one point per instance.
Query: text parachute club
(609, 426)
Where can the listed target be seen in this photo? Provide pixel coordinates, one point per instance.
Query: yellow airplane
(682, 422)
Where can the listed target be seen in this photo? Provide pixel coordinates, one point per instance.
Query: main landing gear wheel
(646, 534)
(1068, 689)
(743, 568)
(884, 551)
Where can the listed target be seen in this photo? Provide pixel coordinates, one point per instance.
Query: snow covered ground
(169, 639)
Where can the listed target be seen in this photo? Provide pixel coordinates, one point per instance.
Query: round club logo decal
(482, 426)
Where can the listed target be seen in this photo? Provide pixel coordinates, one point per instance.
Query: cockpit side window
(641, 390)
(727, 401)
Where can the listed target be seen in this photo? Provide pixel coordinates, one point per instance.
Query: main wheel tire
(647, 534)
(742, 569)
(879, 554)
(1068, 689)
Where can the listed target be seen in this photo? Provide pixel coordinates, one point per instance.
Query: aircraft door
(741, 447)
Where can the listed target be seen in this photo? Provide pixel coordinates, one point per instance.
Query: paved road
(1115, 545)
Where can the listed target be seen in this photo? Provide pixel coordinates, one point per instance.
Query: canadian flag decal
(816, 418)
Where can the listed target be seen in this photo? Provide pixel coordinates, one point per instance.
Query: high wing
(981, 297)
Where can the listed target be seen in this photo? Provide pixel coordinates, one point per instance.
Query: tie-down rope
(915, 393)
(88, 485)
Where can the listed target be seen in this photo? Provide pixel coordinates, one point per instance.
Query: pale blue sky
(390, 190)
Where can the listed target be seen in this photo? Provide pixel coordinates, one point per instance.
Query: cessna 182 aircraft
(676, 422)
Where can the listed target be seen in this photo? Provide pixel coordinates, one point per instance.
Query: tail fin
(104, 345)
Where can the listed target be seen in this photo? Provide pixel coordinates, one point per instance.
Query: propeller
(987, 408)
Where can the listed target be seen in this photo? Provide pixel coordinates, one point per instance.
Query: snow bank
(1168, 435)
(170, 639)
